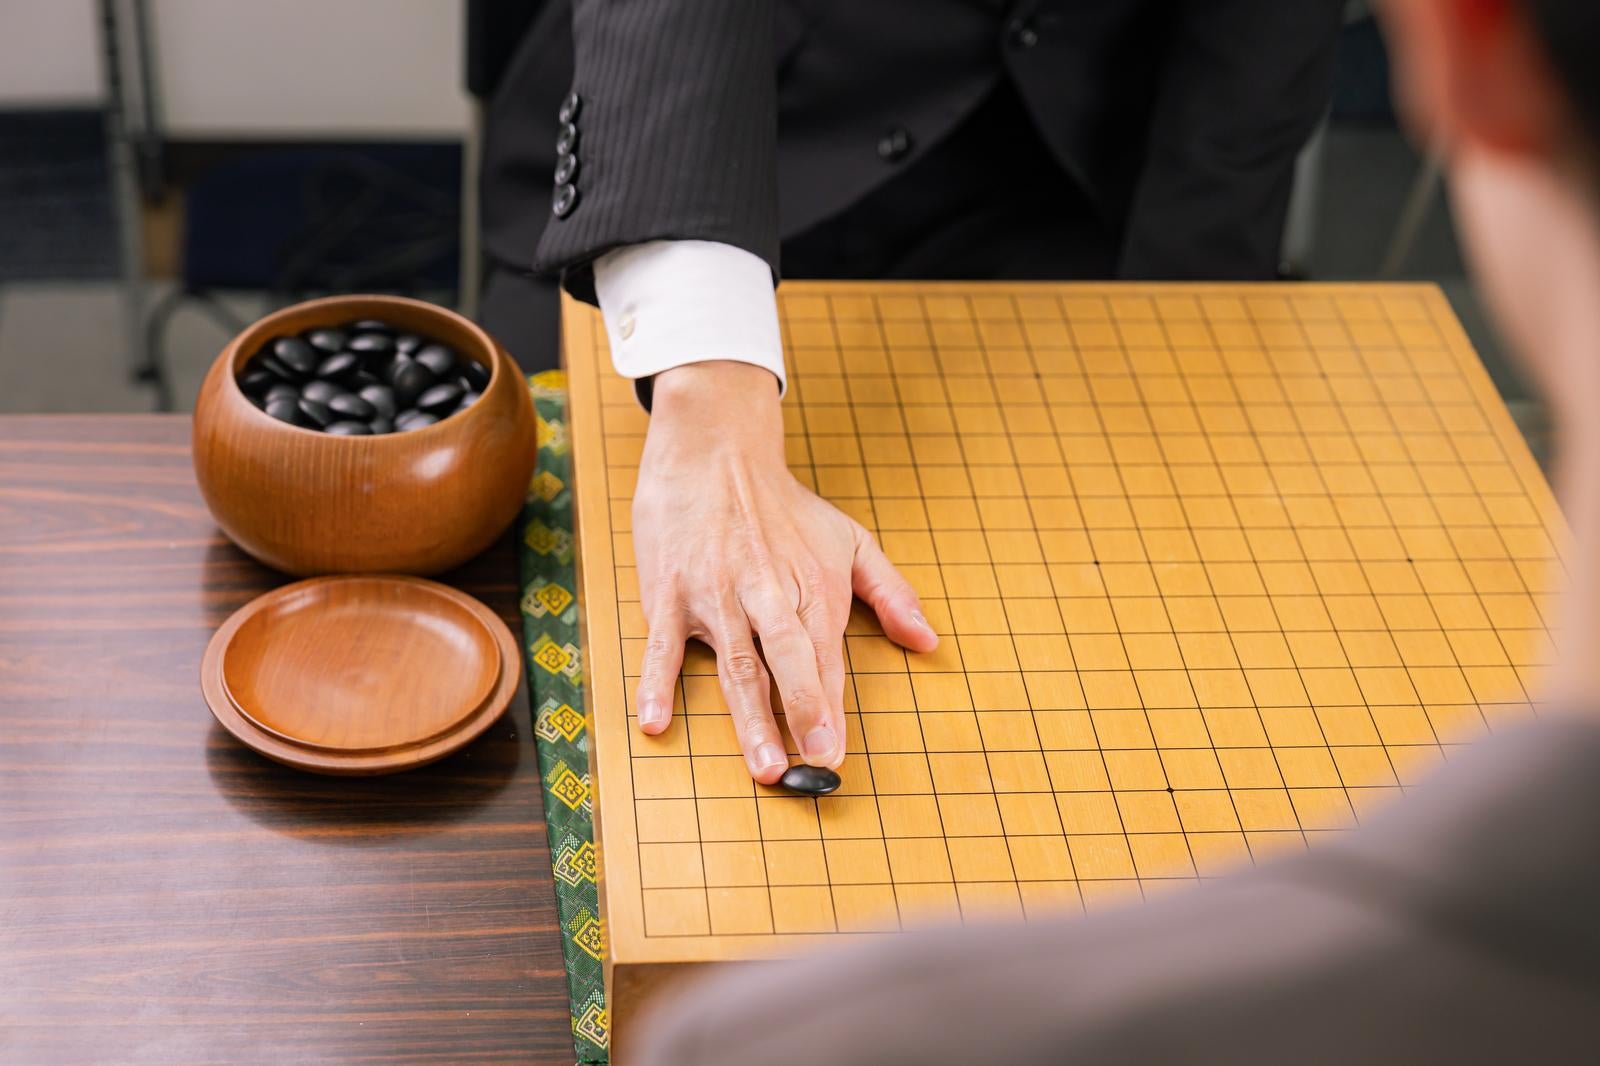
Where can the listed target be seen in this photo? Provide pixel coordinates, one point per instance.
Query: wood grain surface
(167, 896)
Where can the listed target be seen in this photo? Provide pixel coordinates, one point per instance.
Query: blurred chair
(1305, 204)
(1300, 229)
(132, 111)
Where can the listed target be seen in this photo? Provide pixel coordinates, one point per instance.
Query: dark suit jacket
(747, 121)
(1463, 927)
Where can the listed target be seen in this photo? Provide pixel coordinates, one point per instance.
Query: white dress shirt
(669, 303)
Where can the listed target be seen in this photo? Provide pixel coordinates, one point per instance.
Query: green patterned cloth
(555, 678)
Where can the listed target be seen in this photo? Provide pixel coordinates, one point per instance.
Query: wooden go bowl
(414, 503)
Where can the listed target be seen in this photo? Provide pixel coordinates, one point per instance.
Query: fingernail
(651, 713)
(921, 621)
(769, 755)
(820, 745)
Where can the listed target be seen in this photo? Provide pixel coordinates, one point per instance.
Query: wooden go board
(1217, 570)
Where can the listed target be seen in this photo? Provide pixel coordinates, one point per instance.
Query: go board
(1218, 571)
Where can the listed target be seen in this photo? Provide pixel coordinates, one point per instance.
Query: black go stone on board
(809, 780)
(369, 377)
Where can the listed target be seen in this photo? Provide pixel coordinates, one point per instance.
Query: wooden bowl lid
(360, 674)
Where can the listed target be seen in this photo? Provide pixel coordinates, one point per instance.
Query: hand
(730, 547)
(1533, 237)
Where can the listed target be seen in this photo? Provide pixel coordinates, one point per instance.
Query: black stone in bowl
(364, 377)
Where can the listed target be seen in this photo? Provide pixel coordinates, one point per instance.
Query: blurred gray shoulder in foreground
(1462, 926)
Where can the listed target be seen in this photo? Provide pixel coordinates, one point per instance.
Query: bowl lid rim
(408, 753)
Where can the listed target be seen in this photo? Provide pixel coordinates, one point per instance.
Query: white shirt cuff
(671, 303)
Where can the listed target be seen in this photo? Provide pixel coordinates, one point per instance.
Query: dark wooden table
(167, 896)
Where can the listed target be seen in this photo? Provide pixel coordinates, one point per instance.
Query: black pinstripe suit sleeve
(677, 131)
(1243, 85)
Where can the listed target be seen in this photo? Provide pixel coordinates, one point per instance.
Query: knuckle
(659, 654)
(757, 589)
(818, 614)
(664, 587)
(815, 580)
(875, 589)
(825, 653)
(722, 606)
(804, 703)
(754, 728)
(742, 667)
(781, 626)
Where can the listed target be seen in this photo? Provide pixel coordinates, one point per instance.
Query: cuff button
(570, 107)
(567, 140)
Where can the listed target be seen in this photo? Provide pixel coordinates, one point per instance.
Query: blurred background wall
(229, 155)
(48, 55)
(279, 69)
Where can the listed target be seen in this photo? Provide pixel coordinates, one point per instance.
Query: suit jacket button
(894, 145)
(566, 168)
(570, 107)
(567, 140)
(566, 199)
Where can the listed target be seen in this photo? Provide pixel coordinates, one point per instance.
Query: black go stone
(414, 420)
(370, 345)
(392, 368)
(336, 367)
(410, 380)
(281, 391)
(381, 397)
(277, 369)
(437, 358)
(363, 377)
(317, 413)
(284, 410)
(441, 399)
(320, 391)
(256, 382)
(295, 354)
(352, 406)
(810, 780)
(327, 341)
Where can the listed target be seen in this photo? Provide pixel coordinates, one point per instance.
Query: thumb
(879, 585)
